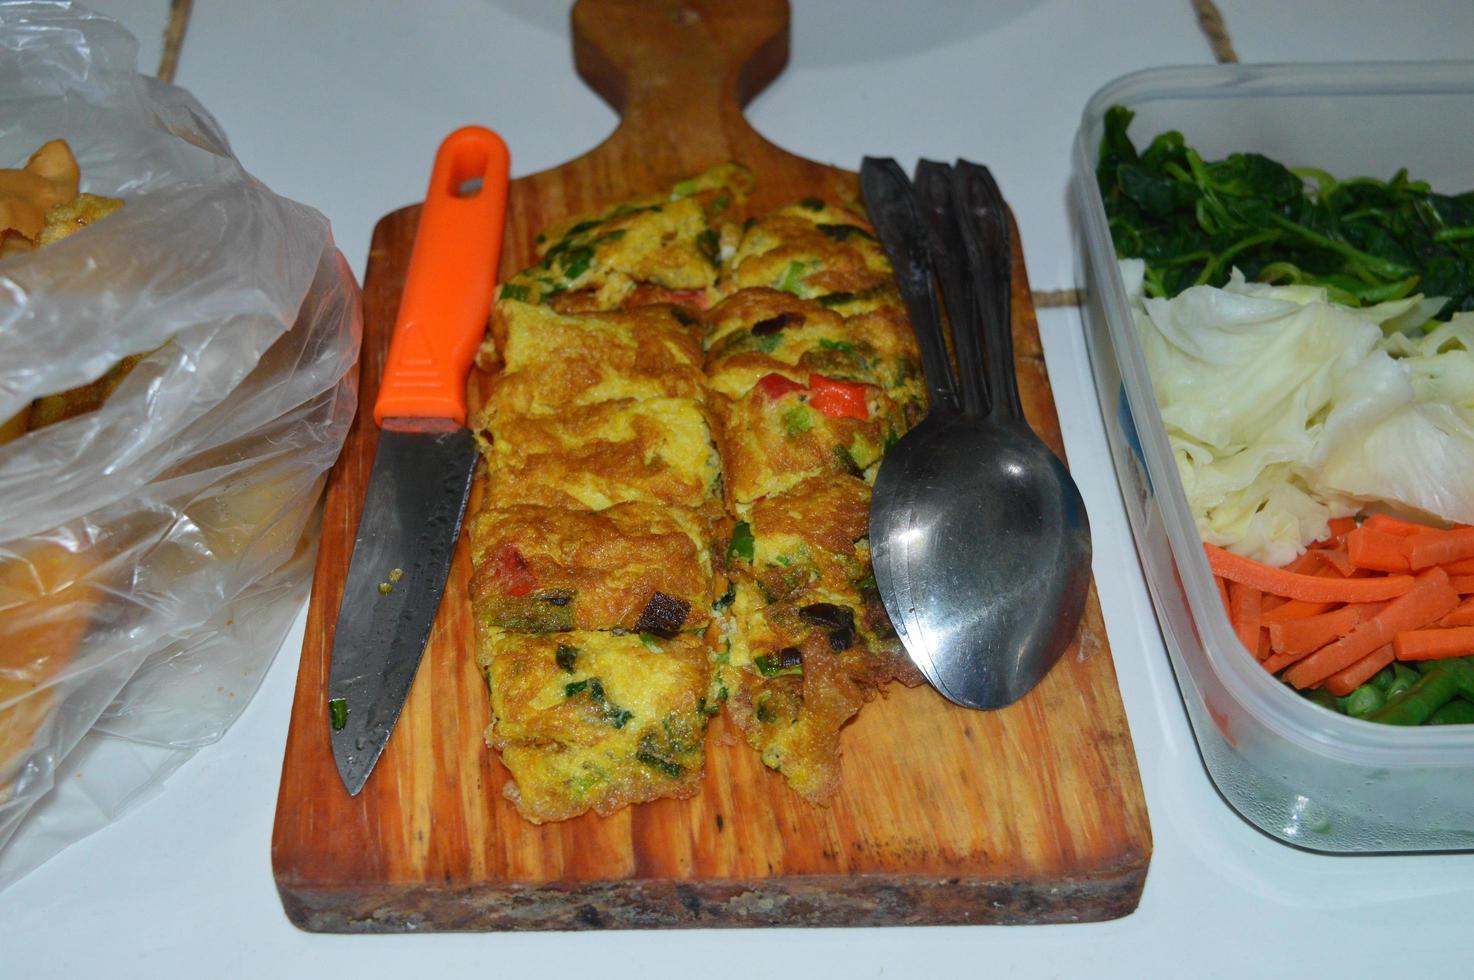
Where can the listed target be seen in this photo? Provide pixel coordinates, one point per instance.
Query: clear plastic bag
(154, 551)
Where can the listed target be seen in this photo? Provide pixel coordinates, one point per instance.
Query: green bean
(1463, 670)
(1363, 701)
(1415, 705)
(1403, 677)
(1323, 698)
(1456, 712)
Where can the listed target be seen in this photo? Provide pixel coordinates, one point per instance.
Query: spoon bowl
(981, 551)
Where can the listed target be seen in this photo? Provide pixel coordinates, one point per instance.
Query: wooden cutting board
(1029, 814)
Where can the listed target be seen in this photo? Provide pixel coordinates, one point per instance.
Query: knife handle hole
(467, 170)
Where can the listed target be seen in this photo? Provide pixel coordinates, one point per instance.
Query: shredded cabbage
(1285, 409)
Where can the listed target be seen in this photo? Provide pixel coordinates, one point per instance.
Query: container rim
(1269, 700)
(1287, 78)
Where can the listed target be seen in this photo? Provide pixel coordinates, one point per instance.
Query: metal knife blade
(421, 477)
(411, 520)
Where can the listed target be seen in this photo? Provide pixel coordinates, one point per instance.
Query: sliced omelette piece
(765, 329)
(595, 720)
(665, 248)
(781, 427)
(812, 536)
(813, 250)
(808, 640)
(659, 451)
(634, 566)
(554, 362)
(814, 539)
(799, 674)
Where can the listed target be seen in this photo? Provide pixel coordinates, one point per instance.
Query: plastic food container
(1305, 775)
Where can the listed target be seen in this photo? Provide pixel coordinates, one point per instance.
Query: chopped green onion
(727, 598)
(770, 666)
(797, 420)
(575, 262)
(793, 275)
(842, 233)
(743, 544)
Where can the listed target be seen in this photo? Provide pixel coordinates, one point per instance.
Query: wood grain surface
(1029, 814)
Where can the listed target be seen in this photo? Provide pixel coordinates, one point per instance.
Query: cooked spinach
(1364, 240)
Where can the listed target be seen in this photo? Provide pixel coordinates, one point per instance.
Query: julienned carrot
(1223, 595)
(1288, 609)
(1430, 599)
(1441, 547)
(1435, 644)
(1276, 662)
(1394, 526)
(1369, 548)
(1306, 564)
(1263, 650)
(1243, 613)
(1293, 610)
(1344, 682)
(1463, 615)
(1267, 578)
(1463, 567)
(1337, 559)
(1342, 525)
(1307, 635)
(1463, 584)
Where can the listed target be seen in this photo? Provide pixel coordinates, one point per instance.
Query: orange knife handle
(452, 275)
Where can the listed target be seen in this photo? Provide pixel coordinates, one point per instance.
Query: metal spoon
(978, 535)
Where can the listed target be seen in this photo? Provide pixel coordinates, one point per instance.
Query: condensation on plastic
(152, 552)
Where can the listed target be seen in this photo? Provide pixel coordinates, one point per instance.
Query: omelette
(687, 411)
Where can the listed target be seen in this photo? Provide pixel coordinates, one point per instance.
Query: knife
(421, 476)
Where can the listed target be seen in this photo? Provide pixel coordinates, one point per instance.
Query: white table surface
(341, 104)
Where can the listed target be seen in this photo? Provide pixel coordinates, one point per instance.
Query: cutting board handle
(678, 66)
